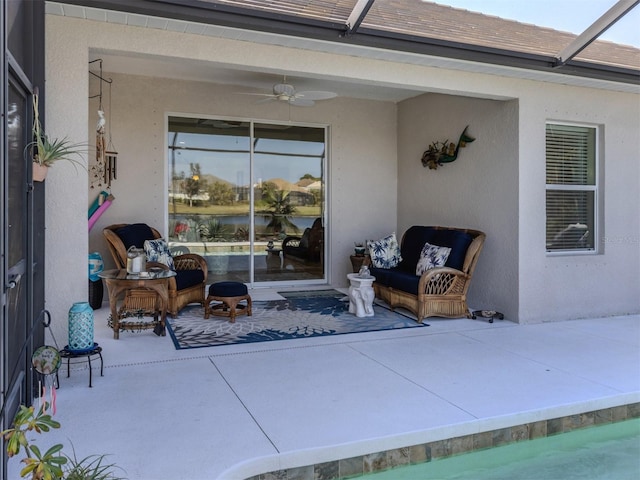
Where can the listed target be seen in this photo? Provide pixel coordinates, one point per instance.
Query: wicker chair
(184, 265)
(305, 248)
(442, 291)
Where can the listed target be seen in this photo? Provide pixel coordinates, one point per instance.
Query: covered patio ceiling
(380, 30)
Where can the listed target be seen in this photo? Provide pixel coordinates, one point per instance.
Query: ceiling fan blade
(270, 99)
(316, 95)
(301, 102)
(256, 94)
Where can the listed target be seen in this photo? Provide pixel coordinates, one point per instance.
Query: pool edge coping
(368, 456)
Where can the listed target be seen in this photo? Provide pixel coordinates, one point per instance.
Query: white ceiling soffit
(363, 89)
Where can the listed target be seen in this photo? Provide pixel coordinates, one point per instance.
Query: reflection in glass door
(248, 197)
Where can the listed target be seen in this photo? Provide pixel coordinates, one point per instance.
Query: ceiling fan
(285, 92)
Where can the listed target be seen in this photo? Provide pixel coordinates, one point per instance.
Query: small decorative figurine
(364, 271)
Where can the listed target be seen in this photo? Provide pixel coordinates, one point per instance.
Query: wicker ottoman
(229, 294)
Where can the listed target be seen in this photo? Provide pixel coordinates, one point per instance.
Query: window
(249, 197)
(572, 188)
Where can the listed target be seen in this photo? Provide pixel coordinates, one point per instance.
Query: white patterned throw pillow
(385, 253)
(158, 251)
(432, 256)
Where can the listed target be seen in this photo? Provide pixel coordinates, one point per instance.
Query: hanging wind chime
(104, 171)
(46, 360)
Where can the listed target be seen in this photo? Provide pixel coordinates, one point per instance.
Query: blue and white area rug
(299, 316)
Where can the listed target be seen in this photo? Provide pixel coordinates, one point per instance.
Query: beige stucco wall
(478, 190)
(140, 106)
(374, 171)
(554, 288)
(362, 161)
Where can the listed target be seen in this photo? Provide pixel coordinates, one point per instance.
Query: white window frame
(595, 189)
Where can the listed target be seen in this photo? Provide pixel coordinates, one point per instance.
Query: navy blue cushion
(228, 289)
(412, 243)
(458, 242)
(135, 234)
(188, 278)
(383, 275)
(297, 252)
(407, 282)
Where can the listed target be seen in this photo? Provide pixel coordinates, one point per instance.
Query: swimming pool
(606, 452)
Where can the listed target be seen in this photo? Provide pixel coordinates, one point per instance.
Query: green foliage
(308, 176)
(242, 234)
(90, 468)
(214, 231)
(47, 151)
(49, 465)
(279, 211)
(191, 185)
(221, 193)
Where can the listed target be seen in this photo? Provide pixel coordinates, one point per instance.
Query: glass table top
(151, 273)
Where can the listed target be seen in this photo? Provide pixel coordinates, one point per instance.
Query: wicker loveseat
(188, 286)
(440, 291)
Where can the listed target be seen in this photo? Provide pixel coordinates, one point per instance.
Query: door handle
(13, 281)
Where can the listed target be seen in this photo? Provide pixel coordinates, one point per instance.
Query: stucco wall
(362, 162)
(575, 286)
(140, 106)
(371, 192)
(66, 267)
(478, 190)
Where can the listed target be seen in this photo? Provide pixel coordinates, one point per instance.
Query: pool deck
(237, 411)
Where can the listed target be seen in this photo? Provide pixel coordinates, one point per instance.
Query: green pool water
(607, 452)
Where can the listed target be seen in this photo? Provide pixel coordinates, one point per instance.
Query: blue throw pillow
(432, 256)
(135, 234)
(158, 251)
(385, 253)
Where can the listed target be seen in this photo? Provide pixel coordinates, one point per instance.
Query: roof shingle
(430, 20)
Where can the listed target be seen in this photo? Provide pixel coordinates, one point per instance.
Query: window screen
(571, 187)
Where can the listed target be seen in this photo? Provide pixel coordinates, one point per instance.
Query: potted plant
(215, 231)
(45, 151)
(52, 464)
(359, 249)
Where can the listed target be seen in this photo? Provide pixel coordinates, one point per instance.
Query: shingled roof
(427, 20)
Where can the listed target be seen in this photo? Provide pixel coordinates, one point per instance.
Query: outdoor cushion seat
(440, 291)
(189, 278)
(229, 294)
(186, 287)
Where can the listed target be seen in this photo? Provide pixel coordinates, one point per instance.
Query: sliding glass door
(249, 197)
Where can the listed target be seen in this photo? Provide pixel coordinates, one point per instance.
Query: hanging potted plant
(45, 151)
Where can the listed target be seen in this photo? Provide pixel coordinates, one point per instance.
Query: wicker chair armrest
(191, 261)
(442, 281)
(116, 247)
(156, 265)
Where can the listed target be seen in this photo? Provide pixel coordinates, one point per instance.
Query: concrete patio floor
(236, 411)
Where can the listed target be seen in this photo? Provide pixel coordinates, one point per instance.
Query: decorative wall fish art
(439, 153)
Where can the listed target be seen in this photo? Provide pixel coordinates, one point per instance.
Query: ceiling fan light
(285, 89)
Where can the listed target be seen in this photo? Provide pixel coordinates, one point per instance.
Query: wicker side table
(357, 261)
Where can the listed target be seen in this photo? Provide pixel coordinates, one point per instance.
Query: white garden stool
(361, 294)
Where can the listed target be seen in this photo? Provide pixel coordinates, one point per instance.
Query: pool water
(607, 452)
